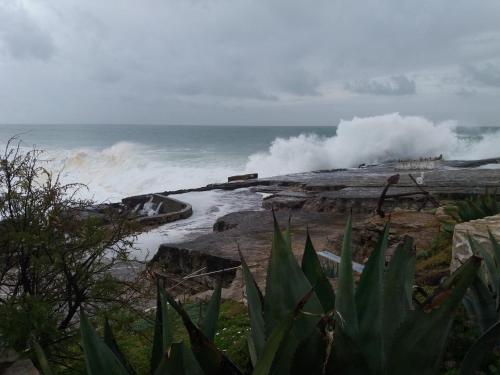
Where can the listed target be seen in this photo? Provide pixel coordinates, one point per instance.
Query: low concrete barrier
(157, 209)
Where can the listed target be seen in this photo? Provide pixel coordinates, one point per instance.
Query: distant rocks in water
(243, 177)
(420, 163)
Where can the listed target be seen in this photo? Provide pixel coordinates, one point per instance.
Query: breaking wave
(371, 140)
(127, 168)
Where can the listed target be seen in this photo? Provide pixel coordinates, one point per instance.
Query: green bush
(473, 208)
(54, 259)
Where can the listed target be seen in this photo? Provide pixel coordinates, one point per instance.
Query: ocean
(116, 161)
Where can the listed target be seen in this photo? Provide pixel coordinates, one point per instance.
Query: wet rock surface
(321, 200)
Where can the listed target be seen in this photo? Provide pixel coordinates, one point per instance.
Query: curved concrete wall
(170, 210)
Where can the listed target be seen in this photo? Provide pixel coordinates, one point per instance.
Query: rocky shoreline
(319, 201)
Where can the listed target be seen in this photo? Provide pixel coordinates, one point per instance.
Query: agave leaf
(347, 359)
(42, 359)
(448, 227)
(287, 233)
(179, 360)
(99, 359)
(475, 354)
(285, 286)
(165, 323)
(255, 300)
(172, 362)
(419, 344)
(464, 211)
(477, 212)
(274, 343)
(311, 267)
(209, 325)
(398, 287)
(344, 302)
(496, 249)
(110, 341)
(251, 350)
(191, 365)
(496, 255)
(492, 276)
(286, 283)
(163, 332)
(480, 305)
(211, 359)
(310, 355)
(369, 301)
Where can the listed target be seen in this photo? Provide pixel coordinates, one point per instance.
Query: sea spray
(372, 140)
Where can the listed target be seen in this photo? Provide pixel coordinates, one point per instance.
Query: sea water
(115, 161)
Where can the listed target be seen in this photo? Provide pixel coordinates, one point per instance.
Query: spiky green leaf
(419, 344)
(345, 304)
(178, 359)
(255, 310)
(370, 309)
(163, 331)
(209, 324)
(480, 305)
(311, 267)
(211, 359)
(476, 353)
(110, 341)
(398, 289)
(285, 286)
(276, 343)
(42, 359)
(99, 359)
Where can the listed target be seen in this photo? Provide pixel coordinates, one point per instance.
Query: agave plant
(482, 303)
(473, 208)
(302, 326)
(374, 328)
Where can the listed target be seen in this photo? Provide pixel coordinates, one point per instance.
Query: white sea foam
(126, 169)
(207, 207)
(371, 140)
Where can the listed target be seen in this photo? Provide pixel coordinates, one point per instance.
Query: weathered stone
(478, 229)
(283, 203)
(321, 201)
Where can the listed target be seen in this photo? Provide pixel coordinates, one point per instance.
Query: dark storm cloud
(215, 61)
(394, 85)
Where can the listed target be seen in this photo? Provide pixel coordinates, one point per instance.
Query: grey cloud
(393, 85)
(487, 73)
(107, 75)
(466, 92)
(22, 37)
(246, 54)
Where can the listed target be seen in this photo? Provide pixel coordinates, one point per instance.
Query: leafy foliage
(473, 208)
(54, 259)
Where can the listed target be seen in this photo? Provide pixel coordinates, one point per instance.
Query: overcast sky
(248, 61)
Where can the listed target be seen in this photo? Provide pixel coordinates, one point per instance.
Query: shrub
(53, 259)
